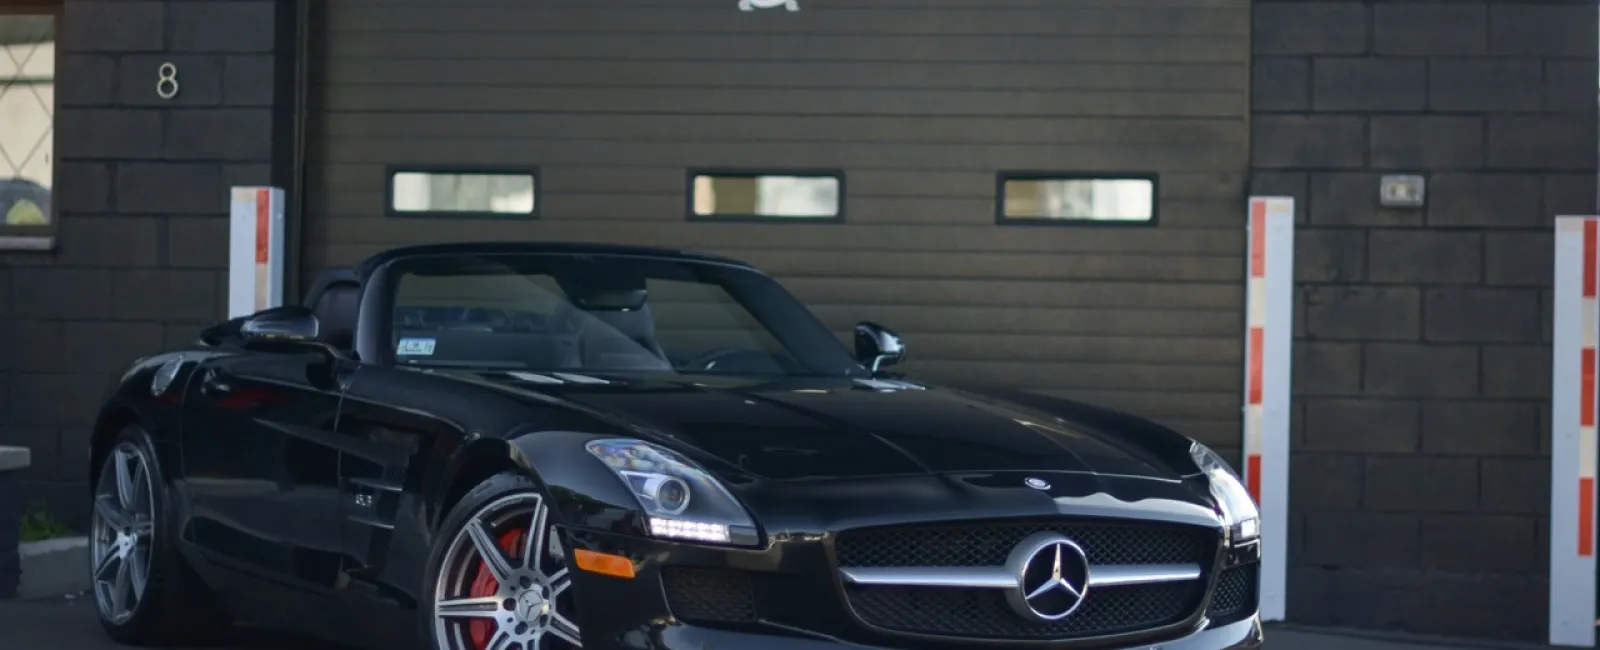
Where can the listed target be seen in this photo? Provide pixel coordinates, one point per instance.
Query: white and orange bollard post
(1269, 340)
(255, 250)
(1572, 433)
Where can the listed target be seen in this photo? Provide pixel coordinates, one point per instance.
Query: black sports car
(530, 446)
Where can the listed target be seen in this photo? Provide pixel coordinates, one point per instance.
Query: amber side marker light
(605, 564)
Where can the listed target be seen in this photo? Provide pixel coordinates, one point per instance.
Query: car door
(262, 478)
(386, 433)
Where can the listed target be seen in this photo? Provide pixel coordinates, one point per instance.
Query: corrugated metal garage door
(918, 102)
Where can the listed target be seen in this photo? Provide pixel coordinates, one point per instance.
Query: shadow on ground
(69, 624)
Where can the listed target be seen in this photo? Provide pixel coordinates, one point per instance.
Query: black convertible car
(532, 446)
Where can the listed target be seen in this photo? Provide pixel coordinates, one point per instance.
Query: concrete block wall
(1422, 366)
(142, 209)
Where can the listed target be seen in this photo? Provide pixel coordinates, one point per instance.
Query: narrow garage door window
(463, 193)
(766, 195)
(1059, 198)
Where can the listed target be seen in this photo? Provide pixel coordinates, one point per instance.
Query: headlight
(1239, 511)
(680, 501)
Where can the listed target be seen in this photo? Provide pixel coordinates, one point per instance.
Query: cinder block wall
(142, 207)
(1421, 452)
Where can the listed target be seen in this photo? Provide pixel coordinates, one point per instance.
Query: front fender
(583, 492)
(130, 400)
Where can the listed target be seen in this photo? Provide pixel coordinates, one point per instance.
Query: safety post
(1572, 434)
(1269, 335)
(255, 250)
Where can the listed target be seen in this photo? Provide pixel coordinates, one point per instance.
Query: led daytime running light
(699, 531)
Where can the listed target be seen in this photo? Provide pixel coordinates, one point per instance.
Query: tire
(173, 608)
(475, 617)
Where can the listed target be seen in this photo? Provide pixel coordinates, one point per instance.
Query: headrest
(336, 309)
(636, 324)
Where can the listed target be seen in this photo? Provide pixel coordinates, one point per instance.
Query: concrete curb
(54, 567)
(12, 461)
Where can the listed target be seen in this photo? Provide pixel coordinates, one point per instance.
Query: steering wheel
(706, 360)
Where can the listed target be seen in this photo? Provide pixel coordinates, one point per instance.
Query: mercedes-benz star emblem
(1036, 483)
(531, 606)
(1052, 577)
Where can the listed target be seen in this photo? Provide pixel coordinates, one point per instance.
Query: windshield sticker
(415, 347)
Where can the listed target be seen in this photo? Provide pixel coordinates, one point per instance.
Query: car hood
(794, 429)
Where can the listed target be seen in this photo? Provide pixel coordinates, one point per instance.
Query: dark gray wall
(142, 203)
(920, 107)
(1421, 468)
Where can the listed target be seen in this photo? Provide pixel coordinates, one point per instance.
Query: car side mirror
(878, 346)
(289, 324)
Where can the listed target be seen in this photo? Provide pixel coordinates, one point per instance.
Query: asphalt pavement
(69, 624)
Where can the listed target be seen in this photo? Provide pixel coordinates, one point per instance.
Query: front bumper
(804, 610)
(1243, 635)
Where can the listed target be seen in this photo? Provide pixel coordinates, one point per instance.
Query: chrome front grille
(976, 613)
(952, 579)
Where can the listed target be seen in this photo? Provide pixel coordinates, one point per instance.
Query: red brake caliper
(484, 585)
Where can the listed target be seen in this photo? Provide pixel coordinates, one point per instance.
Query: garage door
(969, 172)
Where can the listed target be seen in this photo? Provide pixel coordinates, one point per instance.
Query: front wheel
(501, 581)
(143, 592)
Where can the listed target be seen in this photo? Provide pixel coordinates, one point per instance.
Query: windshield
(605, 313)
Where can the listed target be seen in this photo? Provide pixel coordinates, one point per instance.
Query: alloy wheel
(504, 584)
(123, 525)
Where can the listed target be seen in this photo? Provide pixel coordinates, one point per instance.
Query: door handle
(212, 385)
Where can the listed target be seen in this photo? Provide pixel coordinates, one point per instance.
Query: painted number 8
(167, 81)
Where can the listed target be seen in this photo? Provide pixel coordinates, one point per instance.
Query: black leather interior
(604, 336)
(638, 325)
(336, 310)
